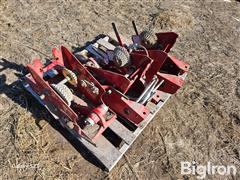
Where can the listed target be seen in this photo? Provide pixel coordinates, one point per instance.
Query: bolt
(127, 111)
(42, 96)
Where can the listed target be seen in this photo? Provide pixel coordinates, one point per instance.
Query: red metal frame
(118, 82)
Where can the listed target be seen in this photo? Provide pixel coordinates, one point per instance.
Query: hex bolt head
(109, 91)
(42, 96)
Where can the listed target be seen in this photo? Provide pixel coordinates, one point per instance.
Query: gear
(121, 56)
(64, 92)
(71, 75)
(148, 38)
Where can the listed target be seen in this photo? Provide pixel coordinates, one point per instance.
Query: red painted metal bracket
(128, 109)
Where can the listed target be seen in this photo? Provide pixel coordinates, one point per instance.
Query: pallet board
(104, 150)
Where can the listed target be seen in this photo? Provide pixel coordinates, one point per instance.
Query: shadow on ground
(17, 93)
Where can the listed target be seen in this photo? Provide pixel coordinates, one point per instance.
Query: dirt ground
(200, 123)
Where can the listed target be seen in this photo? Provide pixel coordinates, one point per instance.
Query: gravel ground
(200, 123)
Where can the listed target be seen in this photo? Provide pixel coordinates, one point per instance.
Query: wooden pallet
(105, 151)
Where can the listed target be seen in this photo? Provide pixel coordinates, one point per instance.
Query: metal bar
(146, 89)
(135, 28)
(159, 84)
(117, 34)
(64, 80)
(148, 95)
(153, 91)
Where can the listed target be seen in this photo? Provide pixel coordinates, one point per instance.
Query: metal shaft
(117, 34)
(152, 92)
(147, 95)
(146, 90)
(135, 28)
(64, 80)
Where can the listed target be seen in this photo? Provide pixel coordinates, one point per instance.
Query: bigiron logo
(209, 169)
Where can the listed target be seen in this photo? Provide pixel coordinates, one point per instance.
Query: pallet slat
(106, 44)
(104, 151)
(122, 131)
